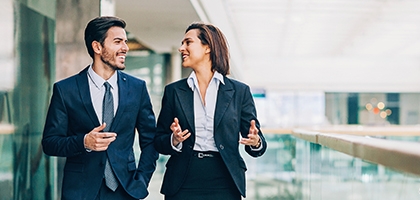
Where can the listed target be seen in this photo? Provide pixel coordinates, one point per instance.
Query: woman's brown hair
(219, 53)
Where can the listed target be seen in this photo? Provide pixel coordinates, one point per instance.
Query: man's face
(115, 48)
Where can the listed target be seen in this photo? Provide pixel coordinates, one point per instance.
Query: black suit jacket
(233, 113)
(71, 115)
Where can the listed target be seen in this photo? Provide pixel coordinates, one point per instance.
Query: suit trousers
(207, 179)
(107, 194)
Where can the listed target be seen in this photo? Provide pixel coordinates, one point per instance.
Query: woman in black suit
(202, 121)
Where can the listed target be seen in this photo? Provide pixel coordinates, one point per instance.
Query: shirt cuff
(87, 149)
(257, 149)
(178, 147)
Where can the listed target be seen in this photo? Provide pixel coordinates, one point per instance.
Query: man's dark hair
(97, 28)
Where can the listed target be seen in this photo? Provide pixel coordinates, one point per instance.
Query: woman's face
(194, 53)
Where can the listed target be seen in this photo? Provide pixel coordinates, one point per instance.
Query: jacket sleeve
(163, 134)
(55, 139)
(146, 128)
(248, 113)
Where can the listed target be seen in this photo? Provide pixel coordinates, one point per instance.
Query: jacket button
(222, 147)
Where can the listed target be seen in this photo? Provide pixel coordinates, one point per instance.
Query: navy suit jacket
(71, 115)
(234, 111)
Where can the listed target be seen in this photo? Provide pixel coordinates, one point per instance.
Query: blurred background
(336, 68)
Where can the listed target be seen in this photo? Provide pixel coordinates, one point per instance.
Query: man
(92, 120)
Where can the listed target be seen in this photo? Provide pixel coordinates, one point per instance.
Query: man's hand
(96, 140)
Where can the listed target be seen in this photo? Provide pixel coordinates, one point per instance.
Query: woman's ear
(207, 49)
(97, 47)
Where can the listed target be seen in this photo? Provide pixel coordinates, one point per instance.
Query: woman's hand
(253, 137)
(178, 135)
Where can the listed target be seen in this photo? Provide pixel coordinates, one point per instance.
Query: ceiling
(276, 42)
(158, 24)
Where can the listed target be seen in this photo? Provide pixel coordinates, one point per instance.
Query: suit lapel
(124, 93)
(186, 98)
(83, 85)
(224, 98)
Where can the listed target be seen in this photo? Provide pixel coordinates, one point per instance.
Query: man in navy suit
(74, 126)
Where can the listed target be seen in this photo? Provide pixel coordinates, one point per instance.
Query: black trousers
(207, 179)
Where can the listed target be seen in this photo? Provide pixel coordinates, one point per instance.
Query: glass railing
(305, 166)
(351, 167)
(296, 169)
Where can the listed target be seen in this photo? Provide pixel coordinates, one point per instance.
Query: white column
(175, 68)
(107, 8)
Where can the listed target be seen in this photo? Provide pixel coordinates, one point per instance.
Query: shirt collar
(192, 79)
(99, 81)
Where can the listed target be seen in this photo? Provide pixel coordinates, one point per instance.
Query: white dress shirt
(204, 112)
(97, 91)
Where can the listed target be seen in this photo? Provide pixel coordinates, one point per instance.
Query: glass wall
(28, 59)
(7, 66)
(286, 109)
(373, 109)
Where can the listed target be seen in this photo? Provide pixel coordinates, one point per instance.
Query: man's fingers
(176, 121)
(101, 141)
(97, 140)
(100, 146)
(101, 137)
(106, 135)
(99, 128)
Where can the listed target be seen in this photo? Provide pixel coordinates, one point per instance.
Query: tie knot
(107, 86)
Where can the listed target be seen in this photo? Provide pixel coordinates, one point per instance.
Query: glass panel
(327, 174)
(373, 109)
(6, 82)
(27, 104)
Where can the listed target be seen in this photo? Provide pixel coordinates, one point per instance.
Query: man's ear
(97, 47)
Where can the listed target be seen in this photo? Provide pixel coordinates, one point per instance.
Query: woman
(201, 120)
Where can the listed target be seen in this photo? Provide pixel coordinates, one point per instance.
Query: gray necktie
(107, 117)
